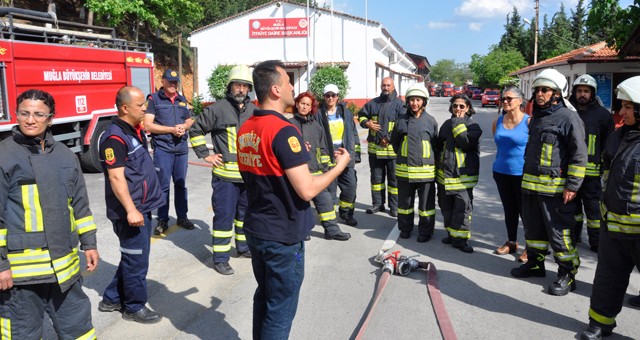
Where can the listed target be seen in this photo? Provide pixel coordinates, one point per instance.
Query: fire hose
(402, 265)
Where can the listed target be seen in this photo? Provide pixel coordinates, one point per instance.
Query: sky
(449, 29)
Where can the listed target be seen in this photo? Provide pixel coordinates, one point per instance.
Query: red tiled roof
(598, 52)
(287, 1)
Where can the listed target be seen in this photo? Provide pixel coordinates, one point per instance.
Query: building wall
(334, 38)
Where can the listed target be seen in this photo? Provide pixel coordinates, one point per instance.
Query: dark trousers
(589, 197)
(509, 188)
(326, 212)
(22, 311)
(230, 200)
(380, 169)
(129, 285)
(616, 260)
(549, 222)
(172, 166)
(456, 208)
(426, 206)
(347, 182)
(279, 271)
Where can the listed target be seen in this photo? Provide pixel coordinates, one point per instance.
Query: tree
(329, 75)
(442, 70)
(607, 21)
(154, 13)
(579, 32)
(556, 37)
(513, 31)
(218, 81)
(494, 68)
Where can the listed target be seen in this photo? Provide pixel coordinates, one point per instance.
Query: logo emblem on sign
(294, 144)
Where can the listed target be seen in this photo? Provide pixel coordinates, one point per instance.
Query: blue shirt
(510, 145)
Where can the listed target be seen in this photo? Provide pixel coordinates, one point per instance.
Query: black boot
(564, 283)
(376, 208)
(593, 332)
(533, 267)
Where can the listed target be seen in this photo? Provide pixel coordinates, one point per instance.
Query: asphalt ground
(481, 297)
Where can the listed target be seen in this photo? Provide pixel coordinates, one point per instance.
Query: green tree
(608, 21)
(218, 81)
(556, 37)
(443, 70)
(154, 13)
(513, 31)
(494, 68)
(579, 32)
(329, 75)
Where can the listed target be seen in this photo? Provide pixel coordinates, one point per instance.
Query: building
(598, 60)
(305, 39)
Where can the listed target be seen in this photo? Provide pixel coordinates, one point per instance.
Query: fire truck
(82, 66)
(447, 89)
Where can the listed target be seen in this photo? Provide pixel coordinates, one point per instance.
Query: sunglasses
(330, 95)
(544, 90)
(458, 106)
(508, 99)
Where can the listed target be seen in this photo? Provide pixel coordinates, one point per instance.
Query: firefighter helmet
(629, 90)
(553, 79)
(417, 90)
(240, 74)
(586, 80)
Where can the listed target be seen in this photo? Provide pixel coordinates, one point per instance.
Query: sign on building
(278, 28)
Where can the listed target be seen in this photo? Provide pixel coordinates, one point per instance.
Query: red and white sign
(278, 28)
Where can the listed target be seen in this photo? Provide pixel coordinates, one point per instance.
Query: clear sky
(449, 29)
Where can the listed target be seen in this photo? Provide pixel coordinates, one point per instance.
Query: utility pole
(535, 32)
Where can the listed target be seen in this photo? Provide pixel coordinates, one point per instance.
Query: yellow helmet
(240, 74)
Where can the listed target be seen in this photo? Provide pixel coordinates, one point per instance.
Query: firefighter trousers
(549, 222)
(426, 206)
(326, 212)
(456, 208)
(230, 200)
(129, 284)
(347, 182)
(616, 260)
(382, 168)
(589, 197)
(174, 166)
(22, 311)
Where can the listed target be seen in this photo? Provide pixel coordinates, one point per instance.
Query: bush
(329, 75)
(218, 81)
(196, 105)
(353, 108)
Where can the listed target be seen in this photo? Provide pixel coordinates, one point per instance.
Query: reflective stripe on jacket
(384, 111)
(413, 141)
(598, 126)
(459, 156)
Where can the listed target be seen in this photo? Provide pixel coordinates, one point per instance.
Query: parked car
(457, 90)
(490, 97)
(477, 94)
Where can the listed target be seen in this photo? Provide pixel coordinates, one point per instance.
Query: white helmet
(240, 74)
(553, 79)
(418, 90)
(629, 90)
(586, 80)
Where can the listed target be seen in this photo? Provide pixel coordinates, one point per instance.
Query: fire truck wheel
(90, 158)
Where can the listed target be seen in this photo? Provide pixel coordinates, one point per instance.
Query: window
(141, 78)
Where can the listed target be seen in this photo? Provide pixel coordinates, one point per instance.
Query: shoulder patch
(182, 104)
(294, 144)
(109, 156)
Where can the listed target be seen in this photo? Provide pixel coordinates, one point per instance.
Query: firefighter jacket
(412, 140)
(598, 126)
(556, 155)
(169, 113)
(350, 140)
(458, 163)
(223, 120)
(142, 179)
(384, 111)
(313, 134)
(44, 211)
(621, 201)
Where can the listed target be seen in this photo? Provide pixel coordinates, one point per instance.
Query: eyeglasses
(330, 95)
(38, 116)
(508, 99)
(544, 90)
(458, 106)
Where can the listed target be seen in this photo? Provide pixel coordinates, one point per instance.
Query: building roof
(289, 2)
(632, 46)
(421, 61)
(596, 53)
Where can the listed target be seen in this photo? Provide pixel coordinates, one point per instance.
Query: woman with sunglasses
(457, 171)
(304, 117)
(510, 133)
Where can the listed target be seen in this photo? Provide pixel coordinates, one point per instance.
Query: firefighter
(306, 120)
(340, 132)
(598, 126)
(619, 247)
(379, 116)
(457, 171)
(222, 120)
(413, 138)
(44, 214)
(168, 118)
(554, 168)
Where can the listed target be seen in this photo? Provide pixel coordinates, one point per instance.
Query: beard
(239, 98)
(583, 100)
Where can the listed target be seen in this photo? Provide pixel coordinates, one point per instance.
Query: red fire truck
(81, 66)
